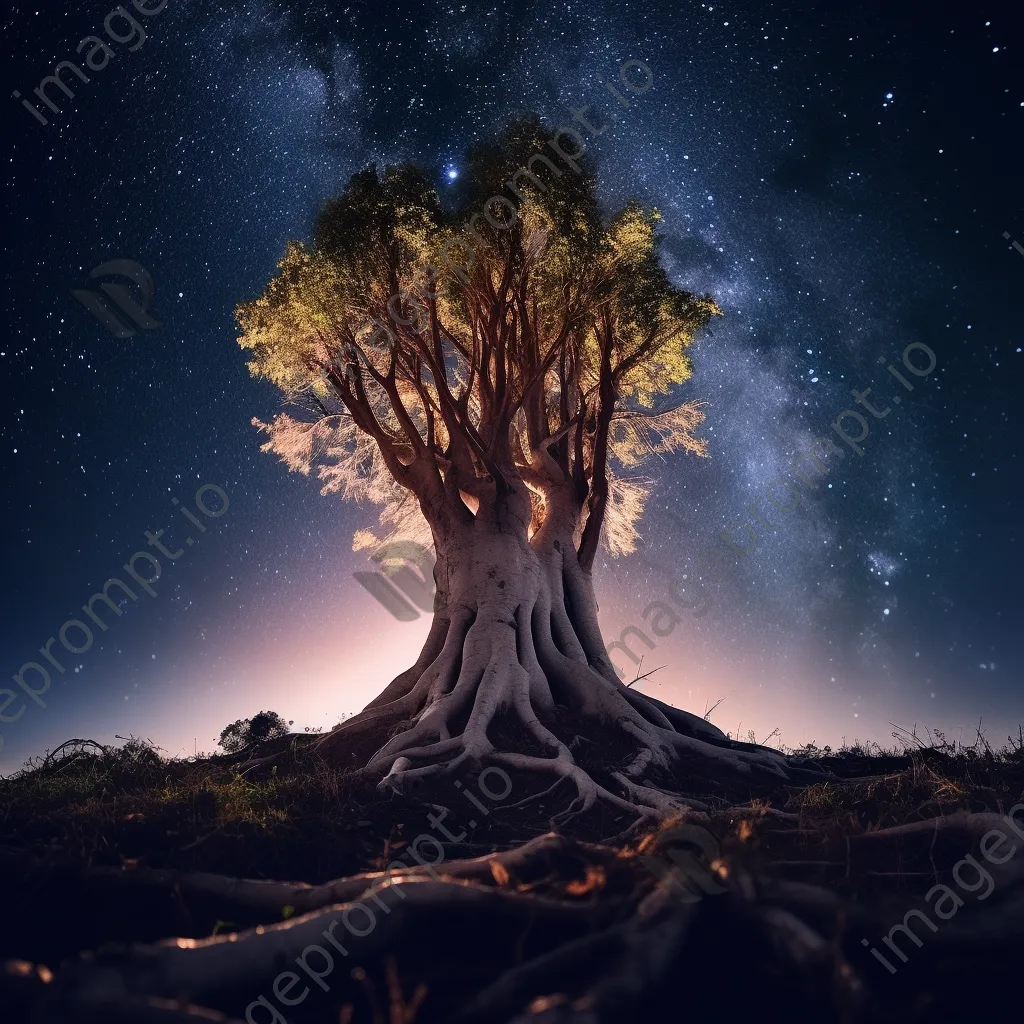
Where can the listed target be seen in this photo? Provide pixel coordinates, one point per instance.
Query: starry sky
(842, 178)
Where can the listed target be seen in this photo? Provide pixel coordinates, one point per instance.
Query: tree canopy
(432, 346)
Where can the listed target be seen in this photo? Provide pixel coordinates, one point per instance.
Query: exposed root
(667, 803)
(507, 663)
(229, 972)
(203, 899)
(554, 931)
(515, 650)
(629, 957)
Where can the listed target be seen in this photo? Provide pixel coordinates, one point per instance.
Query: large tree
(494, 373)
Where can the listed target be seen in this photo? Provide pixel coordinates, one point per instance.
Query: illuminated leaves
(416, 338)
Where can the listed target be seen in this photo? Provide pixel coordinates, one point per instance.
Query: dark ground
(103, 847)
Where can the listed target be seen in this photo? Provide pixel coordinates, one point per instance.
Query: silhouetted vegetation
(266, 725)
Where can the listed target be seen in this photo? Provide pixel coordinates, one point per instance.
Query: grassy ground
(127, 808)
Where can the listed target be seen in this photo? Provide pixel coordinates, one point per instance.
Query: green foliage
(427, 337)
(267, 725)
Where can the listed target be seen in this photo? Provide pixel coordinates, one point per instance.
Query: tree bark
(515, 633)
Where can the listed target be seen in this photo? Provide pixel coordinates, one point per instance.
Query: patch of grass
(305, 818)
(898, 786)
(111, 804)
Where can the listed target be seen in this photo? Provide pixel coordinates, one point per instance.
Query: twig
(709, 711)
(645, 675)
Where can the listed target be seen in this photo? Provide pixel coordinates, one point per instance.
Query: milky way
(844, 183)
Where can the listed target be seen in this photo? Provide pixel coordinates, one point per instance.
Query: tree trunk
(515, 646)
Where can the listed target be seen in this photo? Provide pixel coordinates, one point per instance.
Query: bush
(267, 725)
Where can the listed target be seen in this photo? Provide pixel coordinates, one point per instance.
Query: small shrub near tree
(267, 725)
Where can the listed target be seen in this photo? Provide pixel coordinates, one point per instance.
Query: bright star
(452, 174)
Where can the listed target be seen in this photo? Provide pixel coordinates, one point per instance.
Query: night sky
(840, 178)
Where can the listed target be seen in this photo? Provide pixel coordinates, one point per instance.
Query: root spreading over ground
(794, 888)
(523, 657)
